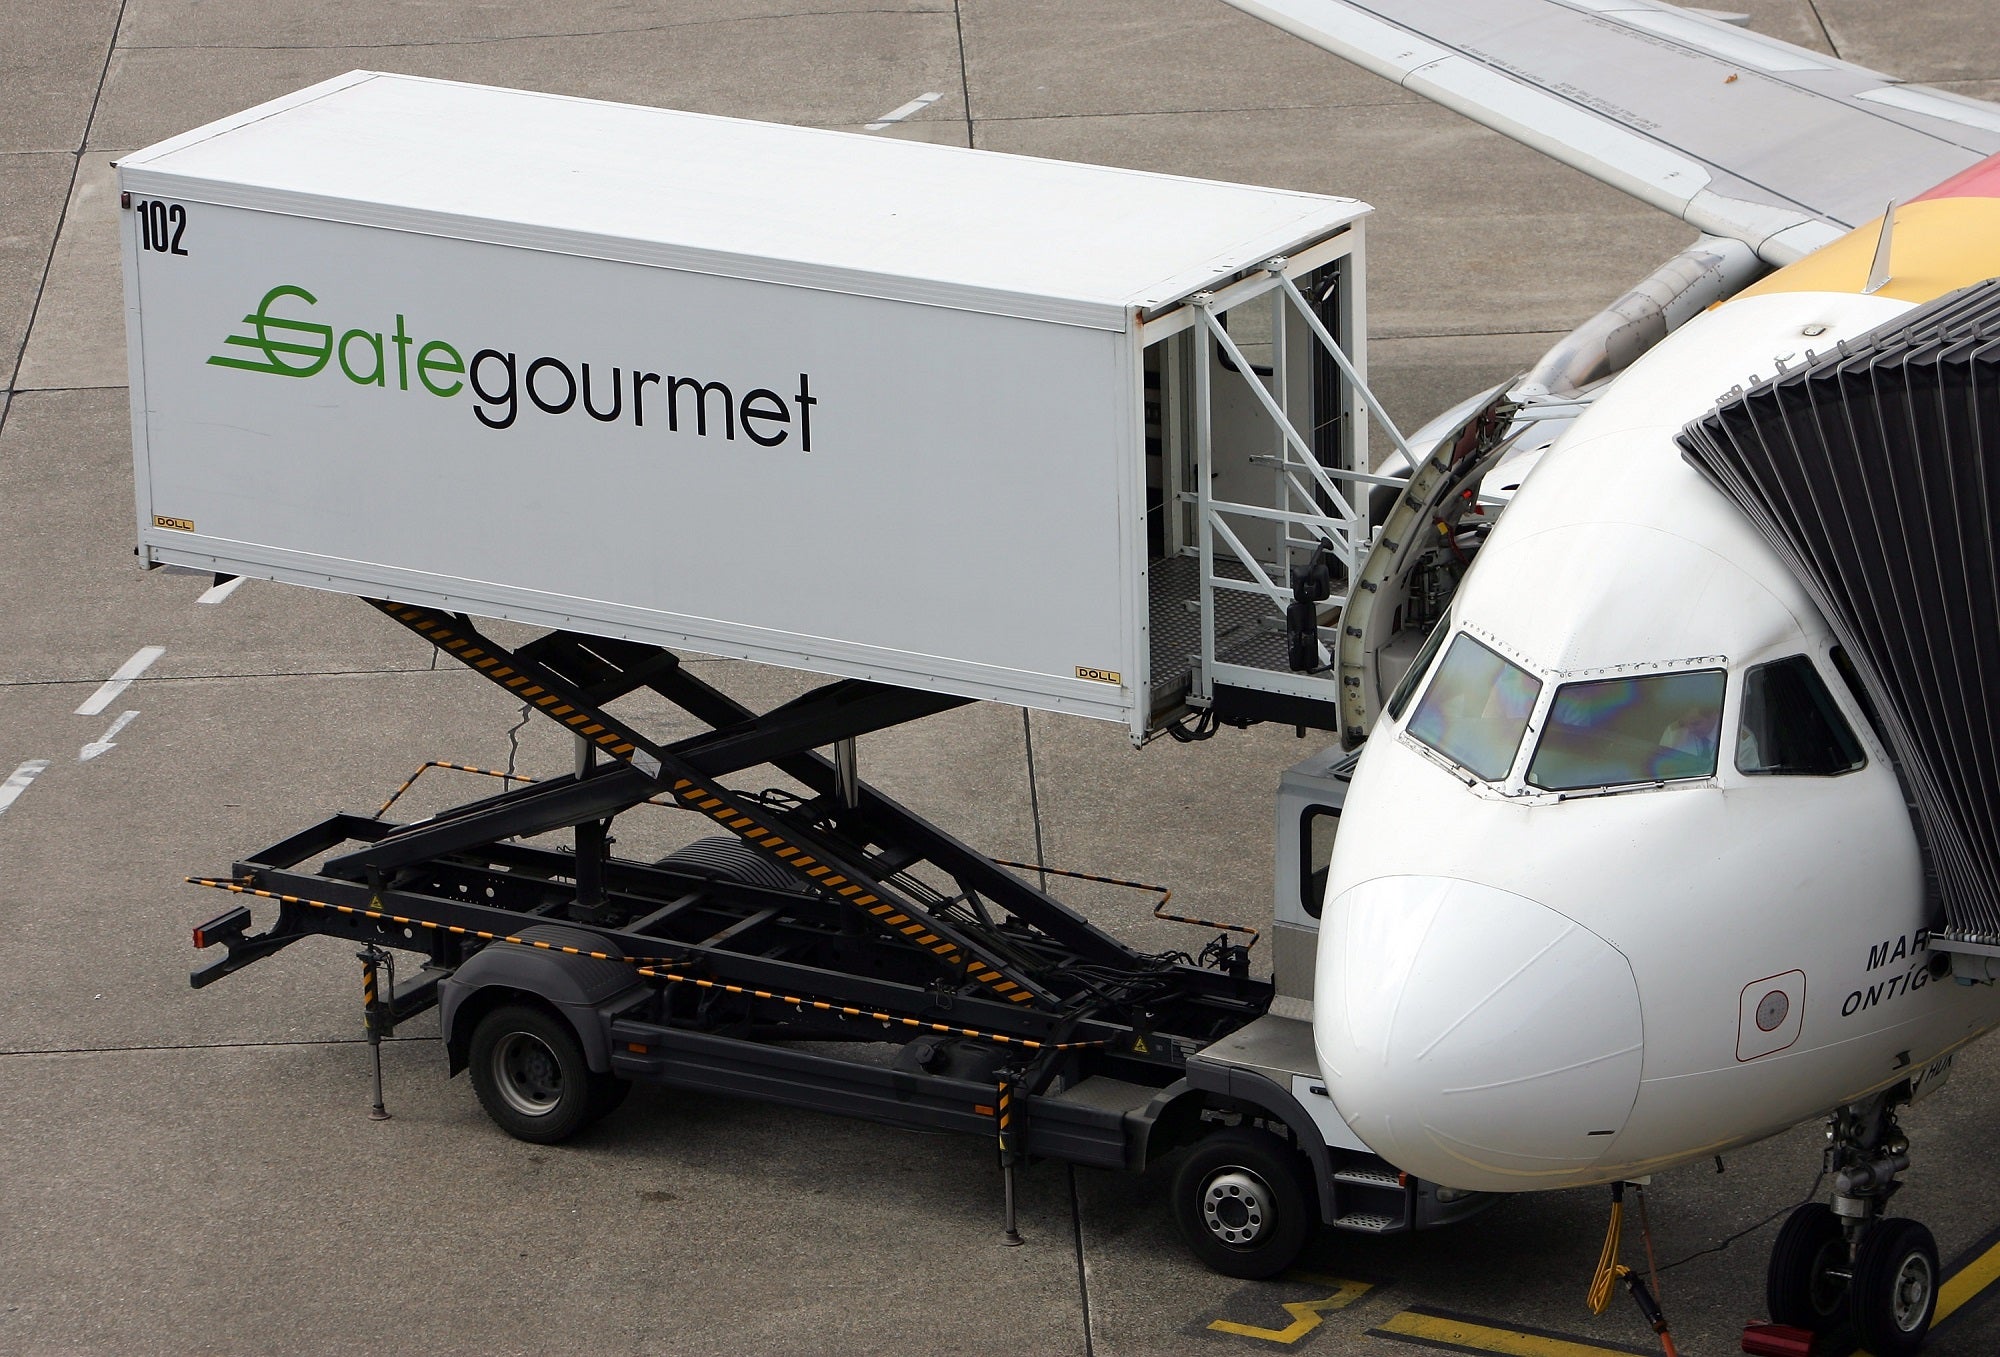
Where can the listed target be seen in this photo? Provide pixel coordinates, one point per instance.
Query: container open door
(1257, 457)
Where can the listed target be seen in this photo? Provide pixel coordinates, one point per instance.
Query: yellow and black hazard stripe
(872, 1014)
(378, 1017)
(1003, 1117)
(646, 966)
(383, 916)
(423, 768)
(1159, 906)
(692, 796)
(533, 684)
(730, 817)
(533, 687)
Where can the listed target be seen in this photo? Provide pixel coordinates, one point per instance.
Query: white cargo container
(861, 406)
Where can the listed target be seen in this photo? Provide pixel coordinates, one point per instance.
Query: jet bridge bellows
(1874, 470)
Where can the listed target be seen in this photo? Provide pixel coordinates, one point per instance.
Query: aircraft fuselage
(1627, 878)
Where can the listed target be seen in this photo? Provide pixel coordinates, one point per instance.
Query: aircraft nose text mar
(1472, 1036)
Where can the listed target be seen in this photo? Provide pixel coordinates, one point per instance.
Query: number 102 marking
(161, 226)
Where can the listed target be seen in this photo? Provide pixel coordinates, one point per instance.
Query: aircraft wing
(1735, 133)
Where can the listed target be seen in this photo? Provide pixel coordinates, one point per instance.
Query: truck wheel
(1244, 1202)
(607, 1093)
(1894, 1291)
(530, 1074)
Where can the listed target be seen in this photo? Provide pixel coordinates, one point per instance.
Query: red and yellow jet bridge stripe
(1945, 238)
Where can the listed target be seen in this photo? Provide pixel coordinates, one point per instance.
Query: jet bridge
(1870, 469)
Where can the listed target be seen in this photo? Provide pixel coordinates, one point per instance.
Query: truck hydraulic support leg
(377, 1012)
(1010, 1155)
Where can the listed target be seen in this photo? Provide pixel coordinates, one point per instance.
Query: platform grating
(1248, 629)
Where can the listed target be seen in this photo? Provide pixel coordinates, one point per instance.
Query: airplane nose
(1472, 1036)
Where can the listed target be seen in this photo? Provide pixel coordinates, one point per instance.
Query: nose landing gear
(1846, 1265)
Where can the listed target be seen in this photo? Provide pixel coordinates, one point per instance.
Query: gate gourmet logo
(262, 322)
(289, 345)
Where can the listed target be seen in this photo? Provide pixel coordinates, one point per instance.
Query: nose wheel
(1845, 1266)
(1806, 1287)
(1893, 1294)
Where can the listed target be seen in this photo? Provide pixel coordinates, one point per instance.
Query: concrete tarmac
(189, 1171)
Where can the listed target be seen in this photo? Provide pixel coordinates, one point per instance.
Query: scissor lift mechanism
(859, 948)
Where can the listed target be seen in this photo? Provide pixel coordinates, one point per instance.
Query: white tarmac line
(121, 680)
(216, 593)
(103, 744)
(896, 115)
(18, 780)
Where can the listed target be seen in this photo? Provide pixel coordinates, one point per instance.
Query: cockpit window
(1622, 731)
(1476, 709)
(1790, 724)
(1407, 689)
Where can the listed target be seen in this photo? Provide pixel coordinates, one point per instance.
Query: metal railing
(1312, 503)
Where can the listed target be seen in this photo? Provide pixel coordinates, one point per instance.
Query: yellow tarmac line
(1461, 1333)
(1307, 1315)
(1968, 1282)
(1469, 1335)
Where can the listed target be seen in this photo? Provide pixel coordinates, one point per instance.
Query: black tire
(1894, 1292)
(1800, 1289)
(529, 1071)
(1245, 1203)
(607, 1093)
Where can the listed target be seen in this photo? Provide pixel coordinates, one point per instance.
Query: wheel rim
(1911, 1299)
(1236, 1207)
(527, 1074)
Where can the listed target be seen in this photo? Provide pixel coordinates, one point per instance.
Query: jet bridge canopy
(1874, 470)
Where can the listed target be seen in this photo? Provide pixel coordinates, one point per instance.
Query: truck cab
(1266, 1076)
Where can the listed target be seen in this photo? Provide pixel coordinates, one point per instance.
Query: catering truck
(939, 425)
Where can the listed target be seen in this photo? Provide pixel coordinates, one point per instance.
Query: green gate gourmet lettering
(289, 346)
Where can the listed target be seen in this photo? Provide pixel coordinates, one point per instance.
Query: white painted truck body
(864, 407)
